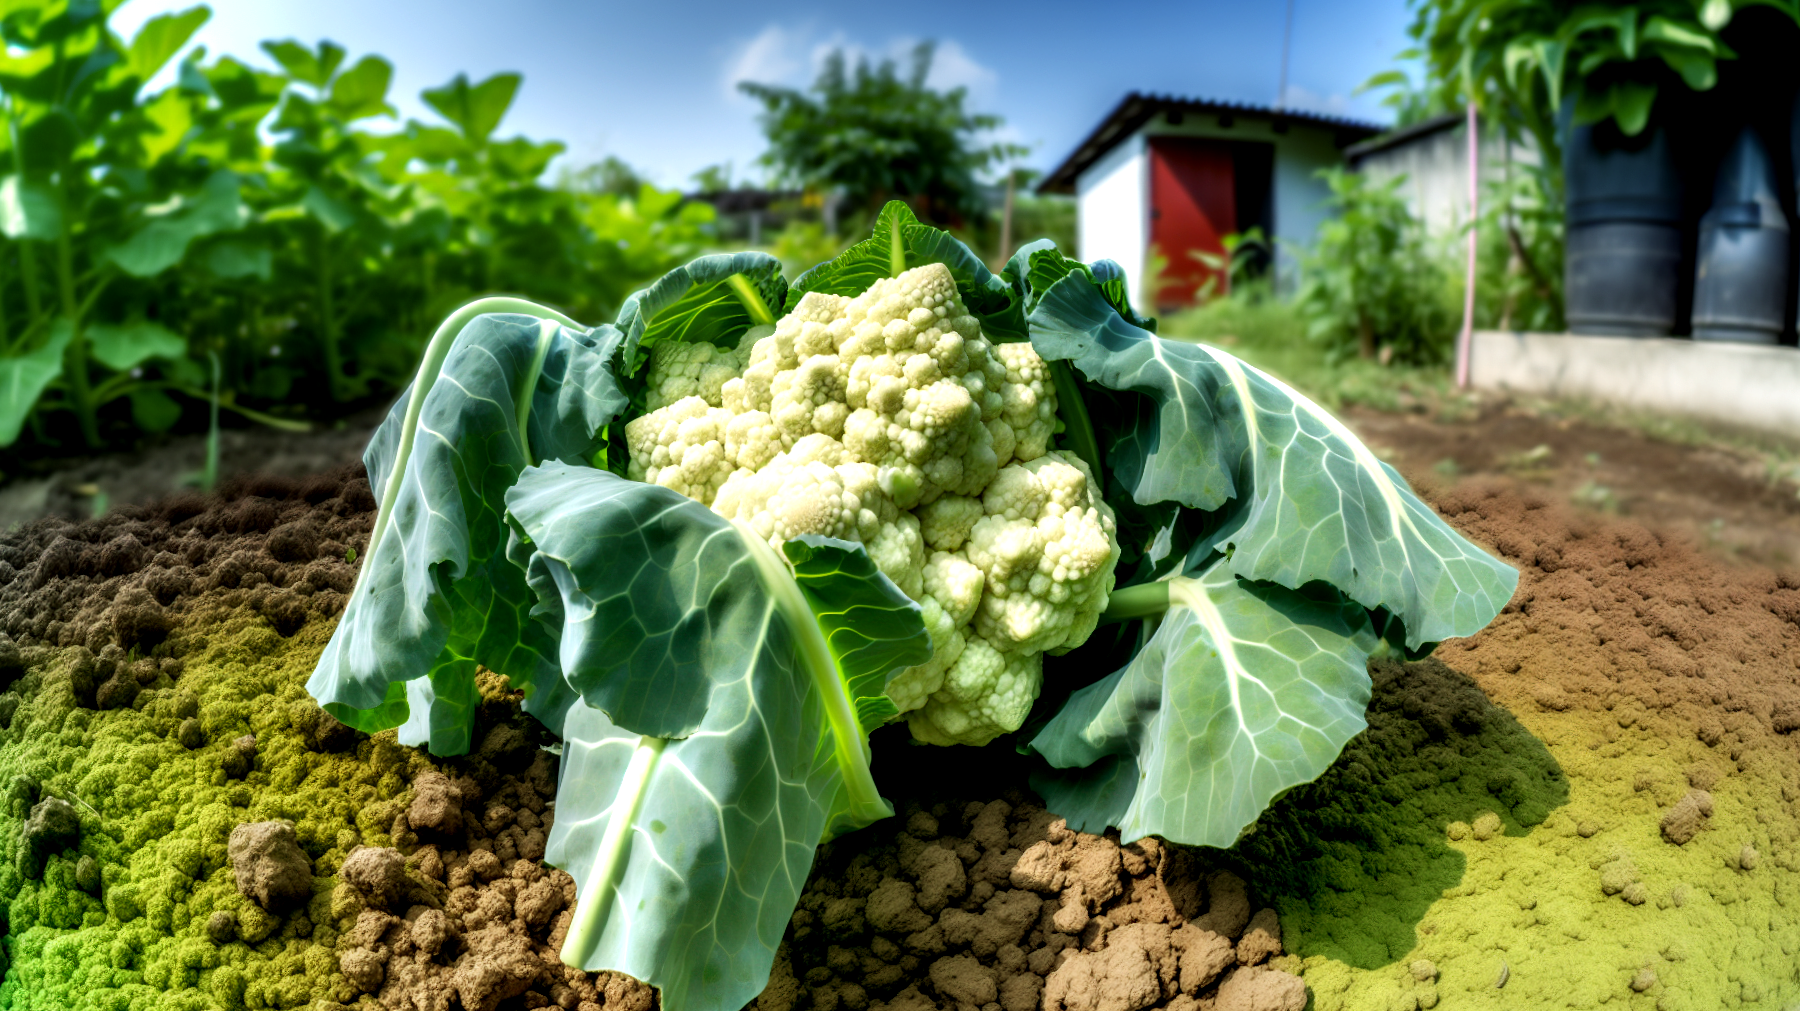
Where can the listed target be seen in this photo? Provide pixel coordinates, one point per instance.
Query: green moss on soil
(156, 817)
(1628, 672)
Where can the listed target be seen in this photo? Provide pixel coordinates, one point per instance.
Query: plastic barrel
(1623, 247)
(1740, 280)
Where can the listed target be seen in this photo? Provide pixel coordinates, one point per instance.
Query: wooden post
(1467, 336)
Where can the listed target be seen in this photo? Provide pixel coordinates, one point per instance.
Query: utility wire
(1287, 39)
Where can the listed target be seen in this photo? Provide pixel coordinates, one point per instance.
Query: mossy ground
(156, 816)
(1627, 672)
(1535, 898)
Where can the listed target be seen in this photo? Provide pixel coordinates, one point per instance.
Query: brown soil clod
(1689, 815)
(961, 906)
(465, 915)
(270, 867)
(52, 826)
(240, 757)
(1254, 988)
(379, 875)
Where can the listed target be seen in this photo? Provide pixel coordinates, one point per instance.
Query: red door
(1193, 207)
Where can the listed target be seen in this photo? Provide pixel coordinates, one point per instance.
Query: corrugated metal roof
(1137, 109)
(1395, 138)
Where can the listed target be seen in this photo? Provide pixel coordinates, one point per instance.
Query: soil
(972, 904)
(1639, 845)
(81, 488)
(1595, 801)
(1726, 500)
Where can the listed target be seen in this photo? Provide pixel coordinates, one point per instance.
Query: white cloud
(771, 57)
(953, 67)
(1306, 100)
(793, 55)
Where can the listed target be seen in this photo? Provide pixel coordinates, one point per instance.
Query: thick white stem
(609, 859)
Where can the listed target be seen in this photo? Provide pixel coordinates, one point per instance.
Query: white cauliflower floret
(899, 552)
(987, 692)
(1029, 401)
(681, 369)
(947, 522)
(682, 448)
(808, 491)
(889, 420)
(1048, 549)
(901, 373)
(910, 688)
(952, 591)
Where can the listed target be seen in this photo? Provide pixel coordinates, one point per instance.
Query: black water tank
(1623, 247)
(1740, 281)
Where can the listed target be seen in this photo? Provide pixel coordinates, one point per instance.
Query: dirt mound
(281, 547)
(472, 918)
(132, 764)
(970, 905)
(1612, 616)
(1600, 792)
(1597, 799)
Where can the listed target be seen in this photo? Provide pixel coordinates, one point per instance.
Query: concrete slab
(1756, 386)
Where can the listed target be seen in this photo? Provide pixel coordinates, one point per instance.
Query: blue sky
(653, 82)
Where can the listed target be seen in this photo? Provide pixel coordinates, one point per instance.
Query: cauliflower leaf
(721, 731)
(901, 242)
(1244, 690)
(1297, 497)
(436, 595)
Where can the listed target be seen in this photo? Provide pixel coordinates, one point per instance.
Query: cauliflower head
(889, 420)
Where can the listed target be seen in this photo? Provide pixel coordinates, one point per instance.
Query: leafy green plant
(1519, 260)
(1371, 284)
(256, 215)
(340, 209)
(1270, 334)
(95, 199)
(714, 657)
(1518, 60)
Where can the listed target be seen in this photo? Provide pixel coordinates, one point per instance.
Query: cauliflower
(889, 420)
(680, 369)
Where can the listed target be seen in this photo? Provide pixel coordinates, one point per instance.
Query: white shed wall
(1113, 210)
(1436, 167)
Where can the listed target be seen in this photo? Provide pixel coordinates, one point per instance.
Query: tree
(1519, 59)
(877, 135)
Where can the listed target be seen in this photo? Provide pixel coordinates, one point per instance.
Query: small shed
(1171, 177)
(1432, 158)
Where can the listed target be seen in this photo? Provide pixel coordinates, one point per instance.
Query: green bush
(1372, 285)
(141, 231)
(1271, 335)
(1519, 257)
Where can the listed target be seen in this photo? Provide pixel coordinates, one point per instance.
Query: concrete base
(1755, 386)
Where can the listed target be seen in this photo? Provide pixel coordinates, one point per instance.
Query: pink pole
(1467, 337)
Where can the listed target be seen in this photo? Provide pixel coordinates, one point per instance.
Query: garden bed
(1529, 806)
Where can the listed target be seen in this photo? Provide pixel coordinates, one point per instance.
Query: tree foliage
(1518, 60)
(878, 134)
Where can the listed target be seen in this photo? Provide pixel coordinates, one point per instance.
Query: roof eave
(1136, 109)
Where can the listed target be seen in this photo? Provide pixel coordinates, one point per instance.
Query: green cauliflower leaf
(437, 595)
(717, 740)
(1245, 690)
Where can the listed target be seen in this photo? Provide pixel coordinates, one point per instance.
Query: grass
(1270, 335)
